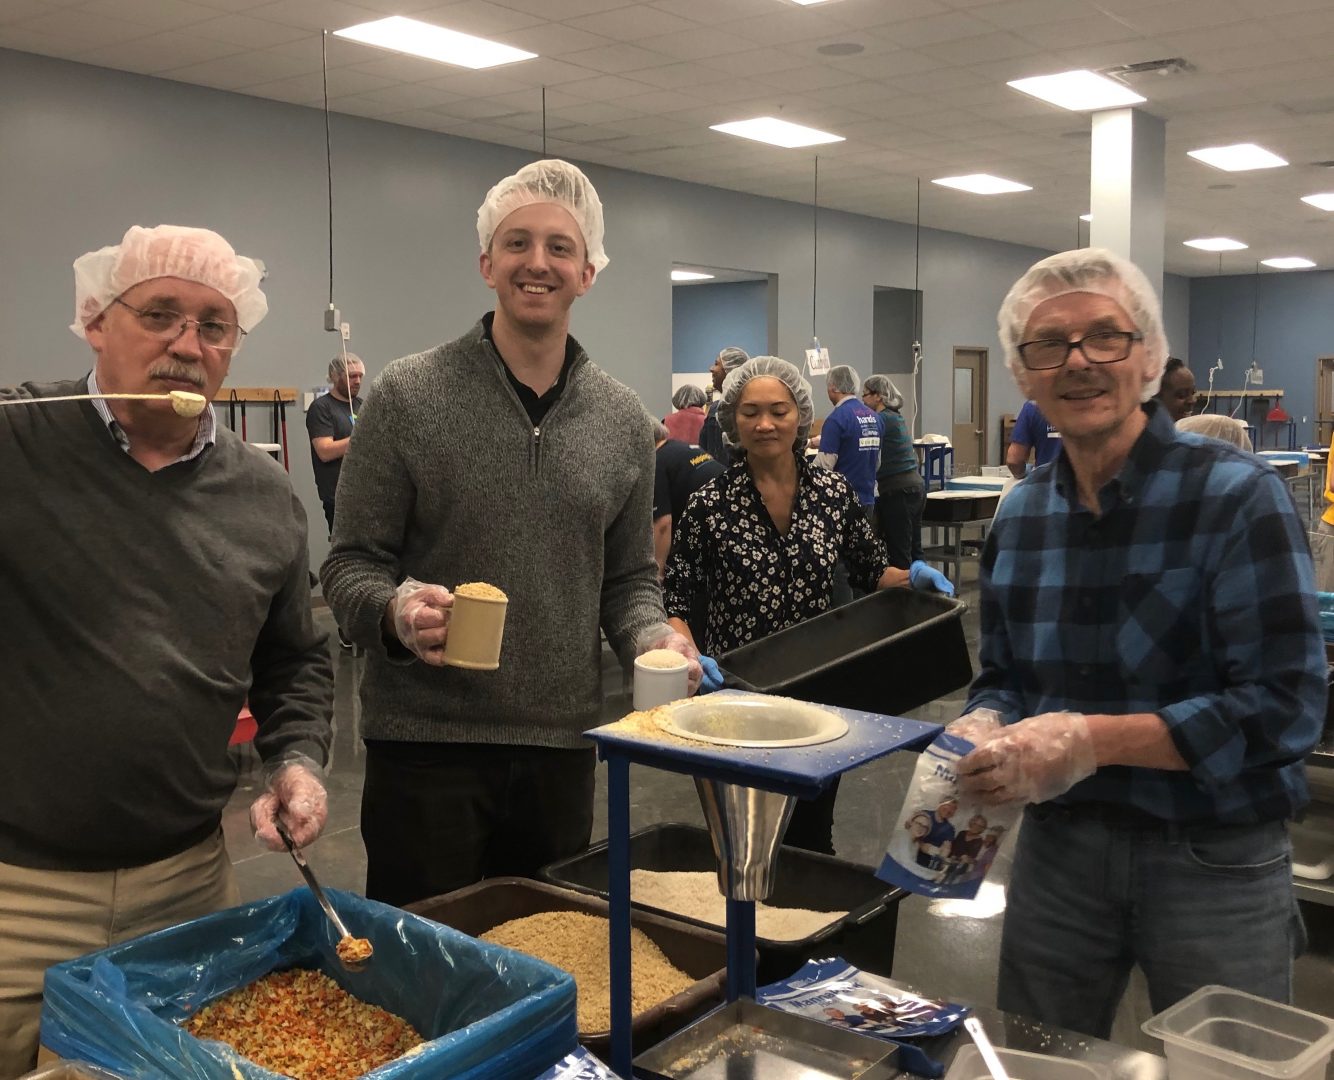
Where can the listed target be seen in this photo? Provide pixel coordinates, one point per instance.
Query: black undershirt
(535, 404)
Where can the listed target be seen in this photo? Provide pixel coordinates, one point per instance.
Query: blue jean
(1191, 905)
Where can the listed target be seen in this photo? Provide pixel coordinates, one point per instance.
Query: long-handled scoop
(352, 952)
(990, 1058)
(183, 402)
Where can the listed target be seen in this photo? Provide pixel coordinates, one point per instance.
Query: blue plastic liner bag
(581, 1065)
(487, 1012)
(836, 993)
(943, 845)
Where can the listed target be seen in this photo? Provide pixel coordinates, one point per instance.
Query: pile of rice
(696, 896)
(580, 944)
(304, 1025)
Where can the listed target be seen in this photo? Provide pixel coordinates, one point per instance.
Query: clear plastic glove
(1031, 761)
(978, 726)
(925, 578)
(298, 795)
(420, 614)
(713, 675)
(663, 636)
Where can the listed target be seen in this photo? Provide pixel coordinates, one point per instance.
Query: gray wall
(86, 152)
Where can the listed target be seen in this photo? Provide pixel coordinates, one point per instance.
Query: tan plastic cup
(660, 677)
(476, 627)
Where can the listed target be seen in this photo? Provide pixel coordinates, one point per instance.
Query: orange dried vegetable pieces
(304, 1025)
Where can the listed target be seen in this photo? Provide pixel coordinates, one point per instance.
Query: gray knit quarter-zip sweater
(447, 481)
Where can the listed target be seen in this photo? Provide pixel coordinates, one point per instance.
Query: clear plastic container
(1021, 1065)
(1221, 1033)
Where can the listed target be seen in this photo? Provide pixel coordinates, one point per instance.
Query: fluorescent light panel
(981, 184)
(1216, 243)
(1237, 158)
(1079, 91)
(691, 275)
(1323, 201)
(1289, 262)
(432, 42)
(769, 129)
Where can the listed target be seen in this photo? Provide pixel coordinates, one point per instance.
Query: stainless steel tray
(745, 1041)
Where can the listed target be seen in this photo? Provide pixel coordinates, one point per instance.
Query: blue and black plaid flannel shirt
(1191, 596)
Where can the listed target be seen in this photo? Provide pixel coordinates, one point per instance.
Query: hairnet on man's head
(1227, 429)
(771, 367)
(884, 387)
(1085, 270)
(198, 255)
(842, 379)
(690, 396)
(342, 362)
(554, 182)
(732, 358)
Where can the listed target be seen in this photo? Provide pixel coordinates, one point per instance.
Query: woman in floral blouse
(761, 541)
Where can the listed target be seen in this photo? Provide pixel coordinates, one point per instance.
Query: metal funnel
(746, 826)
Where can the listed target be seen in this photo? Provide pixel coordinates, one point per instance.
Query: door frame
(982, 396)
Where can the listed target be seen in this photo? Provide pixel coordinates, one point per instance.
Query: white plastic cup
(660, 677)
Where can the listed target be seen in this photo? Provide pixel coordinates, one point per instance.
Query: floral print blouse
(727, 549)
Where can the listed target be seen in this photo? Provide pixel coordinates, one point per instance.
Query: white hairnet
(1085, 270)
(690, 396)
(1228, 429)
(552, 181)
(882, 385)
(766, 367)
(198, 255)
(732, 357)
(842, 379)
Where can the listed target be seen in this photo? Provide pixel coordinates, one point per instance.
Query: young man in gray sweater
(505, 456)
(137, 620)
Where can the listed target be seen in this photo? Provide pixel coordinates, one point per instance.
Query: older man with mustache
(138, 618)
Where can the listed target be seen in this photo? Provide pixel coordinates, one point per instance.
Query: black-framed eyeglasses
(169, 325)
(1101, 347)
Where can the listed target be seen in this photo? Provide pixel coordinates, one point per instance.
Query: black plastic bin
(806, 879)
(699, 952)
(972, 507)
(889, 652)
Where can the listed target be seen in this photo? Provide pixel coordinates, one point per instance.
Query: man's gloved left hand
(713, 675)
(925, 578)
(663, 636)
(1031, 761)
(298, 794)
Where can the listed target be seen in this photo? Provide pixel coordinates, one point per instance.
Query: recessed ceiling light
(1078, 90)
(432, 42)
(981, 184)
(1085, 217)
(769, 129)
(1238, 158)
(1323, 201)
(690, 275)
(1289, 262)
(1215, 243)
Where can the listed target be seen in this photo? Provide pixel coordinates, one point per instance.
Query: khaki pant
(49, 916)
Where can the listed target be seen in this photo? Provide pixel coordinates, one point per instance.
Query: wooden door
(969, 430)
(1324, 400)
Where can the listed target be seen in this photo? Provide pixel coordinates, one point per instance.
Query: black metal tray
(888, 653)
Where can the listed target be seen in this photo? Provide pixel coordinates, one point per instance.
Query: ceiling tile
(659, 101)
(316, 14)
(1096, 29)
(76, 28)
(987, 47)
(1014, 14)
(807, 78)
(1185, 15)
(552, 39)
(934, 29)
(675, 75)
(16, 10)
(859, 13)
(604, 87)
(632, 23)
(616, 58)
(234, 72)
(249, 32)
(697, 44)
(158, 52)
(480, 17)
(158, 14)
(710, 11)
(569, 9)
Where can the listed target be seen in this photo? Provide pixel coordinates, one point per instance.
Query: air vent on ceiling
(1162, 68)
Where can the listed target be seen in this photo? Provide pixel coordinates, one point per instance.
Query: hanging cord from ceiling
(1218, 363)
(917, 312)
(1255, 322)
(815, 247)
(544, 122)
(332, 318)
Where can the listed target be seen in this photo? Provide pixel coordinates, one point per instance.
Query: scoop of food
(186, 403)
(353, 950)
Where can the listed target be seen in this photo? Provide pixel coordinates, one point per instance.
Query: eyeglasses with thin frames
(169, 325)
(1100, 347)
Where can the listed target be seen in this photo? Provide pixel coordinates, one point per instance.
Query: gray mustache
(183, 372)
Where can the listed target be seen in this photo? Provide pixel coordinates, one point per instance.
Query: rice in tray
(304, 1025)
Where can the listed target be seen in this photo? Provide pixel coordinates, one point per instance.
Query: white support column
(1126, 196)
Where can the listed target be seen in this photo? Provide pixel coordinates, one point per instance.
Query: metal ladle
(183, 402)
(308, 874)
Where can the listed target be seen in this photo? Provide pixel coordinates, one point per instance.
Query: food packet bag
(581, 1065)
(943, 844)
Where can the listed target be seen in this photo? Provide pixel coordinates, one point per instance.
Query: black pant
(812, 824)
(844, 592)
(437, 817)
(898, 518)
(329, 513)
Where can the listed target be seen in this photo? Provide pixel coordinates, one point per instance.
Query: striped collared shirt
(207, 434)
(1191, 596)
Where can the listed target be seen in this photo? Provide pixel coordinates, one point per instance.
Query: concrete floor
(944, 948)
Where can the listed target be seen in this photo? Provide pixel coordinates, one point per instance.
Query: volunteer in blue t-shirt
(1031, 432)
(850, 439)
